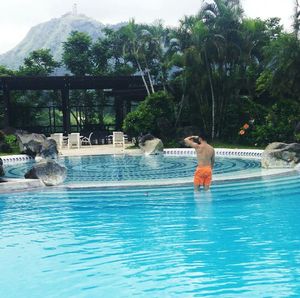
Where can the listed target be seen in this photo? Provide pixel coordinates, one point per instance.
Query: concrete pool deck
(98, 150)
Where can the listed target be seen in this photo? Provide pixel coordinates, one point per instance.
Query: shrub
(279, 124)
(2, 134)
(154, 115)
(9, 144)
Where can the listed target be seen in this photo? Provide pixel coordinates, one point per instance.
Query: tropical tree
(108, 57)
(281, 74)
(296, 18)
(211, 51)
(4, 71)
(144, 46)
(77, 54)
(39, 63)
(154, 115)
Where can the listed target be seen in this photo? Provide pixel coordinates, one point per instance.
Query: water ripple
(239, 240)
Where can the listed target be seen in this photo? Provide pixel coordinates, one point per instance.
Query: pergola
(123, 88)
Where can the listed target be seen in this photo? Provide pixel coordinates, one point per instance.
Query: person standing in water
(206, 159)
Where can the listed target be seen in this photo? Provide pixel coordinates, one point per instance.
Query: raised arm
(189, 141)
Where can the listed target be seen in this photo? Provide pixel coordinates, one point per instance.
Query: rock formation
(281, 155)
(49, 172)
(2, 173)
(37, 145)
(45, 152)
(151, 145)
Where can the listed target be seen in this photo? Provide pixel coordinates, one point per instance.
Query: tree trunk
(143, 76)
(212, 96)
(149, 77)
(296, 21)
(180, 109)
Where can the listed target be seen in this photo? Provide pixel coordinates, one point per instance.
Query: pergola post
(6, 98)
(128, 106)
(119, 112)
(65, 96)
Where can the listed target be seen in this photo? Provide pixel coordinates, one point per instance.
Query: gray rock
(281, 155)
(2, 173)
(49, 172)
(37, 145)
(151, 145)
(49, 149)
(24, 139)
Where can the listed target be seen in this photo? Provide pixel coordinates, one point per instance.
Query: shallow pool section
(239, 240)
(109, 168)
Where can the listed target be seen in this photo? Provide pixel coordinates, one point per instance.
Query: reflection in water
(203, 195)
(237, 240)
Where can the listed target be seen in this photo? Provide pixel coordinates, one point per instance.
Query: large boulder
(49, 172)
(2, 173)
(151, 145)
(48, 149)
(281, 155)
(37, 145)
(24, 138)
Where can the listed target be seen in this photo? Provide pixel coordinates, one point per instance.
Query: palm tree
(296, 17)
(217, 38)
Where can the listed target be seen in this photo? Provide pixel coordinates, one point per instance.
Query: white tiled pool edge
(220, 152)
(18, 158)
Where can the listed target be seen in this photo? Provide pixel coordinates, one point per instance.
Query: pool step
(12, 184)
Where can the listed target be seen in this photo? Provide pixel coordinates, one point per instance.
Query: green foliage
(281, 75)
(222, 69)
(38, 63)
(154, 115)
(279, 124)
(108, 119)
(8, 143)
(10, 139)
(77, 55)
(2, 135)
(5, 71)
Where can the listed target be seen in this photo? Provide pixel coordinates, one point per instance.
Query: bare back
(205, 155)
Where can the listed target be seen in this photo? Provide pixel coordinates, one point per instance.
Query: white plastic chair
(118, 138)
(86, 140)
(74, 140)
(59, 139)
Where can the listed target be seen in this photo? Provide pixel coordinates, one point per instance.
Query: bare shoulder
(210, 149)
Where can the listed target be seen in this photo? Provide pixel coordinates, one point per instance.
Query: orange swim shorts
(203, 176)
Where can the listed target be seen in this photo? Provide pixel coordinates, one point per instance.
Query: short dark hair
(203, 135)
(196, 140)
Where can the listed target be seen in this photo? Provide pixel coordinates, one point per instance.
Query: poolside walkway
(98, 150)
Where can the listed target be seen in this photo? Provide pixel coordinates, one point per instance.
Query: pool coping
(18, 184)
(177, 181)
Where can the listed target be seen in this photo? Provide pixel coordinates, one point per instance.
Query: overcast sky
(18, 16)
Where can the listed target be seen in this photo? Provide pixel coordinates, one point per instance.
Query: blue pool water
(241, 239)
(129, 167)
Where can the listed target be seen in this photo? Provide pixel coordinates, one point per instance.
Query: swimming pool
(242, 239)
(114, 168)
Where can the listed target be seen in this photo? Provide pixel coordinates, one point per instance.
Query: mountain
(50, 35)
